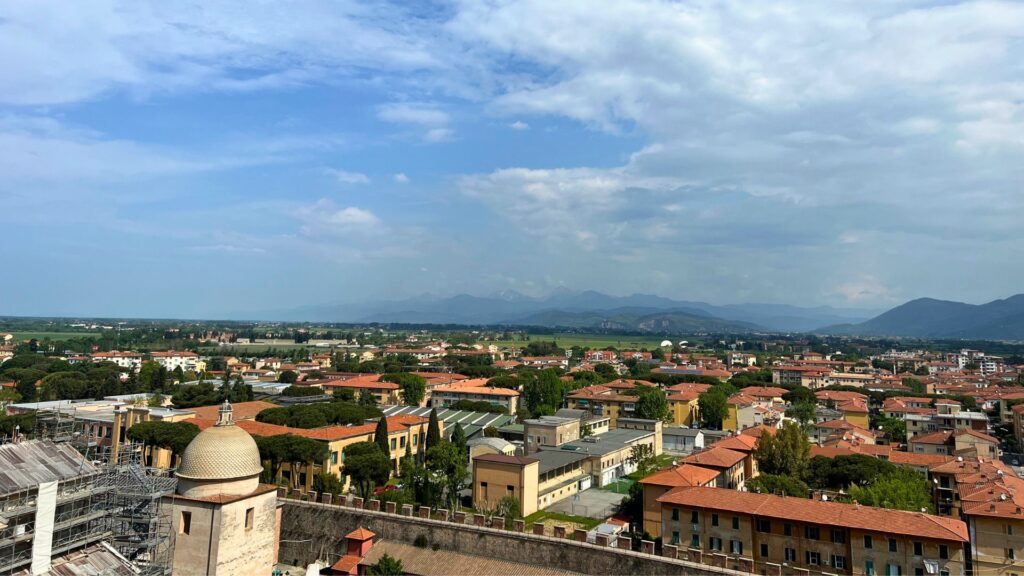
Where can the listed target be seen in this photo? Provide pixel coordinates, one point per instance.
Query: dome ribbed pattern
(220, 453)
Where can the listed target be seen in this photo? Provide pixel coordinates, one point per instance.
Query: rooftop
(854, 516)
(26, 465)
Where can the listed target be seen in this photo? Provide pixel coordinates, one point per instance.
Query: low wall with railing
(314, 529)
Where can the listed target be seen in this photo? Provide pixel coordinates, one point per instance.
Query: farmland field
(567, 340)
(51, 335)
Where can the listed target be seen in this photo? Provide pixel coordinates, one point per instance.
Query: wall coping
(525, 536)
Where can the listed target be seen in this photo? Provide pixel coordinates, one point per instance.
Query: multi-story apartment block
(767, 534)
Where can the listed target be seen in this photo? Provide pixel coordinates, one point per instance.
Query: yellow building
(767, 534)
(656, 485)
(683, 408)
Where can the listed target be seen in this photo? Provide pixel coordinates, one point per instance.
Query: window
(510, 489)
(893, 569)
(918, 549)
(790, 554)
(694, 541)
(944, 552)
(868, 543)
(483, 488)
(943, 572)
(392, 443)
(892, 544)
(812, 532)
(675, 537)
(401, 443)
(1010, 554)
(693, 518)
(250, 517)
(838, 536)
(185, 523)
(1009, 529)
(764, 525)
(839, 562)
(714, 519)
(735, 522)
(918, 571)
(813, 558)
(715, 543)
(869, 568)
(675, 514)
(764, 550)
(736, 546)
(334, 457)
(787, 529)
(414, 438)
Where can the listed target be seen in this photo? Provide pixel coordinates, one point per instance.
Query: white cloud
(401, 178)
(353, 216)
(519, 125)
(413, 113)
(346, 177)
(439, 135)
(80, 52)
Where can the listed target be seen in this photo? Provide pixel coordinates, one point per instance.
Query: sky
(190, 159)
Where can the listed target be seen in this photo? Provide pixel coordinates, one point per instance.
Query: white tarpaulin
(42, 540)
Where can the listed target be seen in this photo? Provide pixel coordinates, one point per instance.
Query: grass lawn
(586, 340)
(550, 519)
(619, 486)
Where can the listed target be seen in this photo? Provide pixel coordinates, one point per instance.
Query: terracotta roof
(460, 388)
(241, 410)
(690, 387)
(758, 431)
(839, 395)
(940, 437)
(739, 443)
(683, 396)
(741, 399)
(397, 423)
(346, 563)
(716, 457)
(764, 391)
(360, 534)
(682, 475)
(818, 512)
(976, 434)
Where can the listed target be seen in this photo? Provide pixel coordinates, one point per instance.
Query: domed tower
(224, 521)
(222, 460)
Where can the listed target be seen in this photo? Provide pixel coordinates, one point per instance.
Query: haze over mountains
(571, 309)
(931, 318)
(920, 318)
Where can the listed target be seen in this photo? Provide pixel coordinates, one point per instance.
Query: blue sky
(197, 158)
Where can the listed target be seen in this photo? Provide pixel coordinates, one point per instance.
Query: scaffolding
(113, 500)
(141, 529)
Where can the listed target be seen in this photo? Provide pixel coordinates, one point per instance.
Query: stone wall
(312, 531)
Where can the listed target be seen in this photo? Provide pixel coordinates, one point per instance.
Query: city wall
(312, 530)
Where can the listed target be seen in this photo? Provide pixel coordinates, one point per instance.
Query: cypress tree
(433, 431)
(380, 436)
(459, 438)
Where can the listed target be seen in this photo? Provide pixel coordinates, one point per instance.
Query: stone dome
(223, 459)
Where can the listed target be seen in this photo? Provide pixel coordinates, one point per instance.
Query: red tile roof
(818, 512)
(716, 457)
(239, 410)
(682, 475)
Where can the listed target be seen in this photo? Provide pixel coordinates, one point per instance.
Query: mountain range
(583, 310)
(931, 318)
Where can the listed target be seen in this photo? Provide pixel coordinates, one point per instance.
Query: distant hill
(638, 320)
(509, 307)
(931, 318)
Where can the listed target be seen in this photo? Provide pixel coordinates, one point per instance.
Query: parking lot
(592, 503)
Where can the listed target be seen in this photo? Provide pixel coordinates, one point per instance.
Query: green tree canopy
(367, 466)
(380, 436)
(651, 404)
(901, 489)
(388, 565)
(413, 386)
(714, 407)
(173, 436)
(779, 485)
(786, 452)
(433, 431)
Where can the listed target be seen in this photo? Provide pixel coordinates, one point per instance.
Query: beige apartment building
(769, 534)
